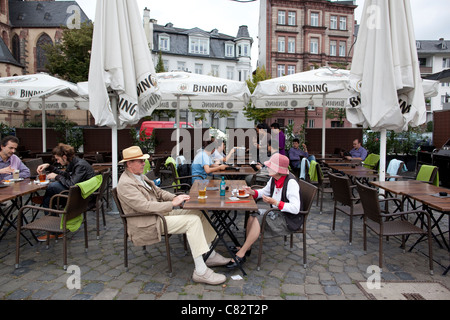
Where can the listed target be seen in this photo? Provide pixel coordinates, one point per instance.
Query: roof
(179, 40)
(6, 56)
(42, 14)
(433, 46)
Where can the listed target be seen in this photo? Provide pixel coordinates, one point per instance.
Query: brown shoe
(210, 277)
(52, 237)
(217, 260)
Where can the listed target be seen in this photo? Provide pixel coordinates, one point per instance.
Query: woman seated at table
(202, 165)
(283, 192)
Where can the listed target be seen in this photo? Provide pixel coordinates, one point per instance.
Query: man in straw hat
(282, 191)
(138, 194)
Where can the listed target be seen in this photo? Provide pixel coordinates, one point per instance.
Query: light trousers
(198, 230)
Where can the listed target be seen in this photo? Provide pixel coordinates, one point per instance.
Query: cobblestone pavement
(333, 270)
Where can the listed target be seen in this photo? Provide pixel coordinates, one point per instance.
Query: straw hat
(133, 153)
(278, 163)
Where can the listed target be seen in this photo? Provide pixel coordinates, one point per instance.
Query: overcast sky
(431, 17)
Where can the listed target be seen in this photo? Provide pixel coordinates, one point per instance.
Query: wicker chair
(307, 194)
(99, 197)
(377, 221)
(322, 184)
(344, 201)
(75, 206)
(125, 233)
(33, 164)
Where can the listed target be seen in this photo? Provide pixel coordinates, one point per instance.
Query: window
(229, 50)
(314, 19)
(291, 18)
(181, 65)
(281, 70)
(166, 65)
(40, 52)
(243, 50)
(198, 45)
(231, 123)
(281, 44)
(215, 70)
(342, 49)
(198, 68)
(291, 122)
(164, 43)
(281, 17)
(333, 22)
(446, 63)
(230, 73)
(314, 46)
(311, 123)
(291, 70)
(333, 48)
(291, 45)
(16, 47)
(343, 23)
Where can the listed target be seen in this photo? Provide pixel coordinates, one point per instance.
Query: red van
(148, 126)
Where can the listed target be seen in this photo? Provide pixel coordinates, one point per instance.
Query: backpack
(183, 171)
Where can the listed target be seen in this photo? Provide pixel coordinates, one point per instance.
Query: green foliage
(5, 130)
(160, 65)
(70, 58)
(402, 143)
(253, 114)
(289, 134)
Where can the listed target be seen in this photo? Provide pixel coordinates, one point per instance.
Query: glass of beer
(42, 177)
(202, 189)
(16, 174)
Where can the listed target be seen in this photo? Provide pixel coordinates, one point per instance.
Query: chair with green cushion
(428, 174)
(372, 161)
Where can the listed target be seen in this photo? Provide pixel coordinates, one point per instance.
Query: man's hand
(270, 200)
(180, 199)
(7, 170)
(42, 167)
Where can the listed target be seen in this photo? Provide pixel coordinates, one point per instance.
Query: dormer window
(164, 42)
(229, 50)
(198, 45)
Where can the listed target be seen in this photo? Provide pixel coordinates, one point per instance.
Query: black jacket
(78, 170)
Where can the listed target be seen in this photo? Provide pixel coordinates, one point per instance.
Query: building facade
(25, 28)
(209, 53)
(300, 35)
(434, 56)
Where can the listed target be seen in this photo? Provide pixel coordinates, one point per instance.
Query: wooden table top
(243, 171)
(19, 189)
(215, 202)
(418, 190)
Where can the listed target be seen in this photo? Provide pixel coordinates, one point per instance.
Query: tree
(258, 115)
(70, 58)
(337, 113)
(160, 65)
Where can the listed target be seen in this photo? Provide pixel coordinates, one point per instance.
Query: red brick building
(299, 35)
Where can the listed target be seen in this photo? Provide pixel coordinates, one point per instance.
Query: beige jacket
(135, 198)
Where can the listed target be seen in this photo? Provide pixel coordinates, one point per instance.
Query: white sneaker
(210, 277)
(217, 260)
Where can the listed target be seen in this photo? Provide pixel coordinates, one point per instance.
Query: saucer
(16, 180)
(243, 196)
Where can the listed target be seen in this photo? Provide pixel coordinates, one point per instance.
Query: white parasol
(324, 87)
(385, 75)
(121, 68)
(40, 92)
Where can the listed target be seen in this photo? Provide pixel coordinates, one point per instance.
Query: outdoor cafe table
(15, 192)
(426, 194)
(235, 174)
(220, 208)
(358, 172)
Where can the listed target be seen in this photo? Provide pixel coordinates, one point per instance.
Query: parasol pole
(324, 122)
(383, 139)
(44, 127)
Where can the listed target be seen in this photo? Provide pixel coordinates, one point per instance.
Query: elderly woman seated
(281, 191)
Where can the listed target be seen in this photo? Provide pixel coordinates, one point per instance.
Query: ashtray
(443, 194)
